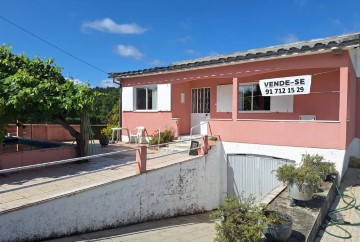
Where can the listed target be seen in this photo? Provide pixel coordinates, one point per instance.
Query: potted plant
(241, 220)
(105, 133)
(278, 225)
(213, 139)
(317, 162)
(301, 181)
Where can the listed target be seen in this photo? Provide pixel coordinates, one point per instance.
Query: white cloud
(289, 38)
(336, 22)
(77, 81)
(108, 83)
(156, 63)
(108, 25)
(129, 51)
(213, 53)
(192, 52)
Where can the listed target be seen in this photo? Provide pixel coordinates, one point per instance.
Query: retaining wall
(188, 187)
(36, 156)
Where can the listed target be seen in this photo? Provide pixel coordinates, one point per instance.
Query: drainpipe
(120, 105)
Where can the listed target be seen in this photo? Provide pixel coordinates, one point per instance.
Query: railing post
(204, 145)
(141, 155)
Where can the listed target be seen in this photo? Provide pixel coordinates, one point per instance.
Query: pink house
(221, 95)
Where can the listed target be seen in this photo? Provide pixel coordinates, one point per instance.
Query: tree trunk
(77, 135)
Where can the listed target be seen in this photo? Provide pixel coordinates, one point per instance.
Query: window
(146, 98)
(200, 100)
(251, 99)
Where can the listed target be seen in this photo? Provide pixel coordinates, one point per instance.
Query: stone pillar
(204, 145)
(141, 155)
(344, 105)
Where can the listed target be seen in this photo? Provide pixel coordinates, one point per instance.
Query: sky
(89, 39)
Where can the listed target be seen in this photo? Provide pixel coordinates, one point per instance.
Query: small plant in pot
(317, 162)
(278, 225)
(241, 220)
(301, 181)
(105, 133)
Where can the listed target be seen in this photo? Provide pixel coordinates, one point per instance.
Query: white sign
(293, 85)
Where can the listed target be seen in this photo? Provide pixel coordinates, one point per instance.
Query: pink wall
(324, 102)
(247, 70)
(181, 110)
(51, 132)
(286, 133)
(150, 120)
(32, 157)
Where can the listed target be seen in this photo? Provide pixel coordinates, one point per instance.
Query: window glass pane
(140, 98)
(146, 98)
(207, 100)
(245, 96)
(193, 101)
(259, 102)
(151, 98)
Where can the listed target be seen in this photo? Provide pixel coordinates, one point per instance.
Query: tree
(35, 88)
(2, 119)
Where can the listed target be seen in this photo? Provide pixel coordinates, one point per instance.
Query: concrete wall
(184, 188)
(51, 132)
(37, 156)
(338, 156)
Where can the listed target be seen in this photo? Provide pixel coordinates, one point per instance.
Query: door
(252, 174)
(200, 109)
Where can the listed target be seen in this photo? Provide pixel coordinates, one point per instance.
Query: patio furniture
(137, 133)
(118, 133)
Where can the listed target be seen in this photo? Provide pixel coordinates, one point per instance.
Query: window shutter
(282, 104)
(128, 99)
(224, 98)
(164, 97)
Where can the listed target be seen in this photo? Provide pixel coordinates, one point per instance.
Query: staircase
(180, 145)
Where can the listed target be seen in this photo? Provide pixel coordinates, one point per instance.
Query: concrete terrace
(24, 188)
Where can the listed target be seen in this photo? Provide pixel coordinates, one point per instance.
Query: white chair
(137, 133)
(307, 117)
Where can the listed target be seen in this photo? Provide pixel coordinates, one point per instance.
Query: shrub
(166, 136)
(241, 220)
(318, 163)
(107, 131)
(301, 176)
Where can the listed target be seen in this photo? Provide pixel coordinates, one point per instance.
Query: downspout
(120, 105)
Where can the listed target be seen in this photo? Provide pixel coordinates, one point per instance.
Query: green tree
(104, 104)
(2, 119)
(35, 88)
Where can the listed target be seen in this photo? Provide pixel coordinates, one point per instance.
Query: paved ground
(349, 186)
(32, 186)
(196, 228)
(200, 228)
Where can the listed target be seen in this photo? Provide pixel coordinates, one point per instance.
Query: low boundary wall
(36, 156)
(187, 187)
(52, 132)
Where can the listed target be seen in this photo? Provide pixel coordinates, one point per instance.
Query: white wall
(184, 188)
(339, 157)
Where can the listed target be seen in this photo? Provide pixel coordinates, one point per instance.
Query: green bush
(301, 176)
(107, 131)
(317, 162)
(241, 220)
(166, 136)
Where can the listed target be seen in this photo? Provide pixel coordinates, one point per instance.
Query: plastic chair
(137, 133)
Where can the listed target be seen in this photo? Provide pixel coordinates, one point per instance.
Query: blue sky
(116, 36)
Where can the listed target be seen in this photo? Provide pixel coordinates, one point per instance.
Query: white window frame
(252, 100)
(146, 105)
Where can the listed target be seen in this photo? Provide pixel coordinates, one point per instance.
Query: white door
(200, 110)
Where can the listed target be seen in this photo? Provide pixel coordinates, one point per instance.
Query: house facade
(221, 95)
